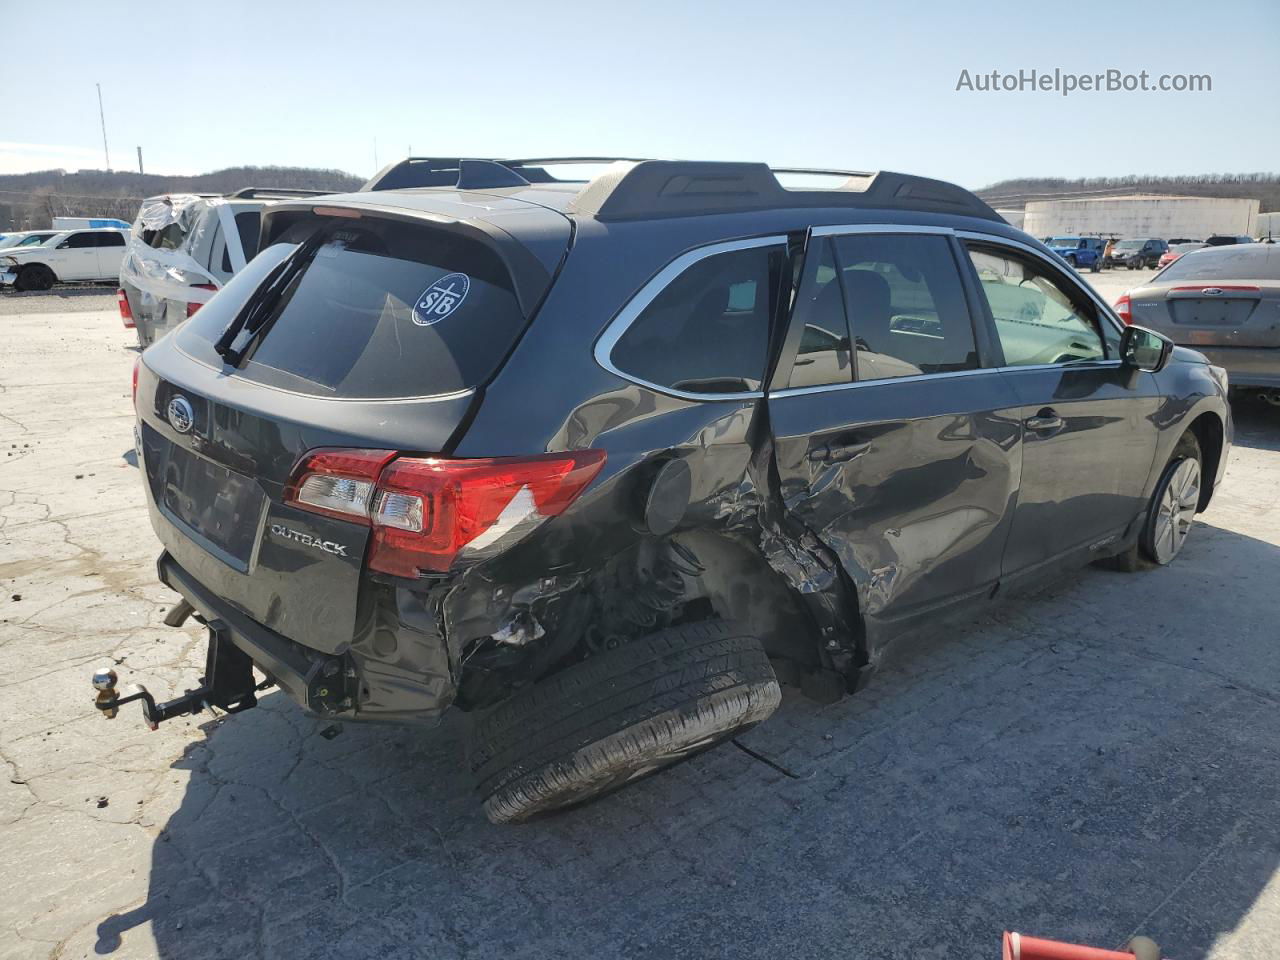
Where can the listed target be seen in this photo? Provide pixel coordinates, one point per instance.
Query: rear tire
(620, 716)
(34, 276)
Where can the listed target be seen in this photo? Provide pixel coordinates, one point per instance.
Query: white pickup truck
(70, 255)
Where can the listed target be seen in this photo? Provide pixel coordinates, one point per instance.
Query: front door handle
(838, 452)
(1045, 421)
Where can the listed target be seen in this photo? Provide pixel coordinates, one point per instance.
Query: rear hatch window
(384, 309)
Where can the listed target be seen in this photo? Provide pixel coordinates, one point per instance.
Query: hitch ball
(104, 681)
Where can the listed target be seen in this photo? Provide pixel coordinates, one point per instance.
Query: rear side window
(906, 305)
(110, 239)
(247, 226)
(707, 331)
(384, 310)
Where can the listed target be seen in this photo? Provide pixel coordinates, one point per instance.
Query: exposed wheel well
(1209, 434)
(742, 586)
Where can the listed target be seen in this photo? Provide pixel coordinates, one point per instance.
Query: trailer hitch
(227, 684)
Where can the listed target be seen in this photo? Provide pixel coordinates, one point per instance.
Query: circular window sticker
(441, 299)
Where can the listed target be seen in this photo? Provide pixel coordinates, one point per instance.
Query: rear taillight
(337, 483)
(126, 314)
(137, 362)
(192, 306)
(1124, 309)
(428, 514)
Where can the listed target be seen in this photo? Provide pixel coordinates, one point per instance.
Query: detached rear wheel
(620, 716)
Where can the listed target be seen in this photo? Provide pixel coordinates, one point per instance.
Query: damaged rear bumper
(322, 683)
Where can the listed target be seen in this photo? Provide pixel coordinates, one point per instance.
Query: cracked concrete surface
(1096, 760)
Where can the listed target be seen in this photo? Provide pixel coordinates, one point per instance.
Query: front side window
(1036, 321)
(79, 241)
(906, 305)
(707, 331)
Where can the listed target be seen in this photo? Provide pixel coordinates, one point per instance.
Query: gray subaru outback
(602, 460)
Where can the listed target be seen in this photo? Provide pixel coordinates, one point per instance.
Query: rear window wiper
(251, 320)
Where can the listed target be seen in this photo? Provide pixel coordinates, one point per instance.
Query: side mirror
(64, 245)
(1144, 349)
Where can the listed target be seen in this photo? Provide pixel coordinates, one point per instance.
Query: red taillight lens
(192, 307)
(426, 514)
(337, 483)
(126, 314)
(1124, 309)
(137, 362)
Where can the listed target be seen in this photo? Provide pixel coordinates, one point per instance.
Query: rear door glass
(384, 310)
(824, 353)
(906, 305)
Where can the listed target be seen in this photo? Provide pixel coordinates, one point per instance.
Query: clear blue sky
(842, 83)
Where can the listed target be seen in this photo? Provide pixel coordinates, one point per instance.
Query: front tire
(34, 276)
(1174, 504)
(620, 716)
(1164, 528)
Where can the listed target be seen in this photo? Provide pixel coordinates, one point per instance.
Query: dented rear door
(906, 461)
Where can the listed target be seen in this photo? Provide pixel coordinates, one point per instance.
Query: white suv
(69, 255)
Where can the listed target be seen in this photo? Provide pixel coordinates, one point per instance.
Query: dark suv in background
(1137, 254)
(602, 460)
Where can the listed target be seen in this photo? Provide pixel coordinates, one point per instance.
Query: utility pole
(140, 170)
(103, 118)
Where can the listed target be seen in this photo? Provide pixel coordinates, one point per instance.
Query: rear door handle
(1044, 421)
(838, 452)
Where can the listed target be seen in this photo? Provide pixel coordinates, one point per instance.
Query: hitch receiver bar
(227, 684)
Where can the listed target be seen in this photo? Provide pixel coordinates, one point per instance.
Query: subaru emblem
(181, 416)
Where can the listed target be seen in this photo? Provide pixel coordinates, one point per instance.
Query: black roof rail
(682, 188)
(258, 193)
(647, 189)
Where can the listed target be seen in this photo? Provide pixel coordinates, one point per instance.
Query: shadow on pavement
(1257, 423)
(1093, 761)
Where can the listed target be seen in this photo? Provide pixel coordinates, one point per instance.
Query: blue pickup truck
(1080, 252)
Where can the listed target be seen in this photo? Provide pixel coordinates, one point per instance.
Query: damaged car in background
(601, 461)
(184, 248)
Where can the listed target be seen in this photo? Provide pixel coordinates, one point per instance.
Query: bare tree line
(1264, 187)
(31, 200)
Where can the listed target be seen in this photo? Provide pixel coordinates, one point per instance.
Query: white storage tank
(1142, 215)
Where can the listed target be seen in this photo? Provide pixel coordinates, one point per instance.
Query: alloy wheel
(1176, 510)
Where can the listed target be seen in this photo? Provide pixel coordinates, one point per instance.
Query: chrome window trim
(944, 375)
(995, 239)
(913, 378)
(838, 230)
(648, 293)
